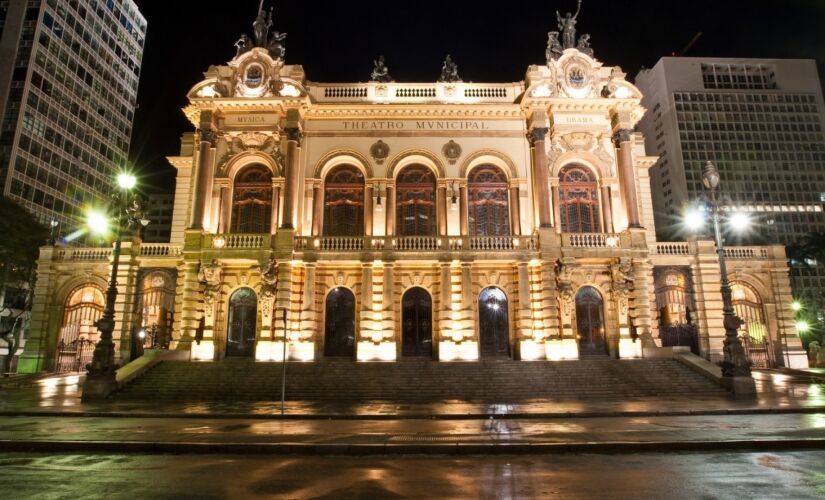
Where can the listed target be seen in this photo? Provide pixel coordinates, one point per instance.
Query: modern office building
(159, 210)
(439, 221)
(69, 75)
(761, 122)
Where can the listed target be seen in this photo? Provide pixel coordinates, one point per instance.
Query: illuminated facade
(451, 221)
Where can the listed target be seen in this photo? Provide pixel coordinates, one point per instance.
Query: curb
(413, 416)
(457, 448)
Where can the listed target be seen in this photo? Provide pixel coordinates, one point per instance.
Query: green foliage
(21, 236)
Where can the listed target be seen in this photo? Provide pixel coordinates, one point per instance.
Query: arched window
(754, 330)
(339, 330)
(579, 200)
(416, 323)
(415, 205)
(252, 200)
(489, 211)
(344, 202)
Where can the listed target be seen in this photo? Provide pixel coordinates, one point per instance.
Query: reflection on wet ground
(62, 394)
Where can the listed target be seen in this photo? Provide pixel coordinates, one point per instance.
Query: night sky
(336, 41)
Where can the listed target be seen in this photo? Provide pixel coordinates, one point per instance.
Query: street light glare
(126, 181)
(694, 219)
(97, 222)
(796, 306)
(802, 326)
(739, 221)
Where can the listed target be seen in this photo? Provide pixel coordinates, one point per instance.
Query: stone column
(541, 175)
(203, 193)
(624, 143)
(309, 315)
(368, 194)
(317, 209)
(366, 316)
(390, 202)
(388, 300)
(524, 316)
(292, 177)
(445, 301)
(276, 204)
(463, 210)
(441, 209)
(226, 210)
(515, 211)
(556, 209)
(607, 211)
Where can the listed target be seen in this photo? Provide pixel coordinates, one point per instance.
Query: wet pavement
(61, 396)
(677, 476)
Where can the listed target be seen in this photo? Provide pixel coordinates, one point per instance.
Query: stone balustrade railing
(591, 240)
(159, 250)
(416, 92)
(85, 254)
(240, 241)
(736, 253)
(671, 248)
(416, 243)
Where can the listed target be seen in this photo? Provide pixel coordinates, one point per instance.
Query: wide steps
(419, 381)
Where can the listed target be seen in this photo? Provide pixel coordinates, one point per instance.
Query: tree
(21, 236)
(810, 249)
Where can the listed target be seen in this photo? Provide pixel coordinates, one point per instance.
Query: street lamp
(736, 372)
(100, 378)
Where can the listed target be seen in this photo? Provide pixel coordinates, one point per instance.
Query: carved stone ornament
(416, 279)
(269, 279)
(380, 151)
(243, 279)
(210, 276)
(339, 279)
(494, 278)
(451, 151)
(381, 91)
(253, 79)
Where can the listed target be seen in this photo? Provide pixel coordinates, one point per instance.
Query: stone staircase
(420, 381)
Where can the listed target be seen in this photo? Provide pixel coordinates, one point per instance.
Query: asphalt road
(797, 475)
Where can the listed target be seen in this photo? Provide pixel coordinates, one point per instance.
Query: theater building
(378, 221)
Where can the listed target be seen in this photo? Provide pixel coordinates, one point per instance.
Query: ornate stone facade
(448, 220)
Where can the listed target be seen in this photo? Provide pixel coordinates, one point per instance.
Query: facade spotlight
(802, 326)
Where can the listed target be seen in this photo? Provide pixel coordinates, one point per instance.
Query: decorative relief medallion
(381, 91)
(416, 279)
(451, 151)
(339, 279)
(380, 151)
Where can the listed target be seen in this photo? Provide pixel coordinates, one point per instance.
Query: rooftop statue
(380, 72)
(554, 48)
(449, 71)
(567, 27)
(584, 45)
(263, 37)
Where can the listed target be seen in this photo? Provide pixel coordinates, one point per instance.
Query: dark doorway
(493, 322)
(417, 321)
(243, 318)
(590, 322)
(339, 335)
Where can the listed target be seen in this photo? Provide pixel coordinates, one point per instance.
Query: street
(796, 475)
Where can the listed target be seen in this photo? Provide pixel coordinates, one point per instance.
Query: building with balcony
(448, 221)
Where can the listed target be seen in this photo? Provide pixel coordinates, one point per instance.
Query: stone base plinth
(205, 351)
(452, 351)
(267, 350)
(628, 349)
(740, 386)
(98, 387)
(381, 351)
(530, 350)
(558, 350)
(797, 360)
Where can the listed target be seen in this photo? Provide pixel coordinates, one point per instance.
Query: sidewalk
(777, 393)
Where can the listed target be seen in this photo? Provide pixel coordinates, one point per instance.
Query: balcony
(395, 92)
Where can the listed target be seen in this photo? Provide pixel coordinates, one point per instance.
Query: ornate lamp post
(736, 372)
(100, 378)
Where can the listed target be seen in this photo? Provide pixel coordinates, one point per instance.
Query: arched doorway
(590, 322)
(344, 202)
(339, 334)
(754, 330)
(157, 299)
(674, 301)
(415, 202)
(78, 333)
(493, 323)
(417, 323)
(243, 320)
